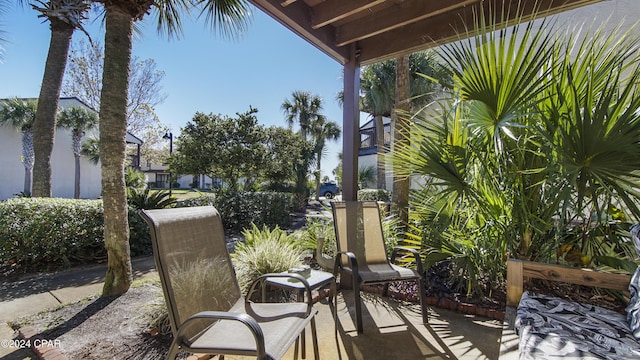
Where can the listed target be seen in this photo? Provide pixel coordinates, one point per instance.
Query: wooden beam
(515, 281)
(351, 127)
(518, 269)
(297, 18)
(451, 26)
(331, 11)
(287, 2)
(396, 16)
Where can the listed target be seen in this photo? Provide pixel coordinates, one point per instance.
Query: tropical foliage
(535, 156)
(21, 114)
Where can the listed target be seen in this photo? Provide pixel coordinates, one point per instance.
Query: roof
(383, 29)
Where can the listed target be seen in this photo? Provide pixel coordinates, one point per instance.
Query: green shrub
(202, 200)
(265, 251)
(374, 195)
(51, 233)
(240, 209)
(139, 236)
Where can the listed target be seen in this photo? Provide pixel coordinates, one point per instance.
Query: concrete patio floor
(393, 330)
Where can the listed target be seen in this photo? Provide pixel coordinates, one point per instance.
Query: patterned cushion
(633, 309)
(550, 328)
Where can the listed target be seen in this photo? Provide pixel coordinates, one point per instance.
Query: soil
(105, 327)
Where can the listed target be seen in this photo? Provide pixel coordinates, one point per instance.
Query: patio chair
(362, 253)
(207, 311)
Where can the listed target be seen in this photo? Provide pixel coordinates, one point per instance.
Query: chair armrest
(298, 277)
(415, 254)
(245, 319)
(353, 261)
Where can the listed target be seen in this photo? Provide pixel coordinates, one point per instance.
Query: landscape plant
(264, 251)
(534, 156)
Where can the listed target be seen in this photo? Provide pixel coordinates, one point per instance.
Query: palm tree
(321, 131)
(21, 114)
(91, 149)
(378, 88)
(377, 85)
(303, 108)
(64, 17)
(228, 16)
(400, 195)
(78, 120)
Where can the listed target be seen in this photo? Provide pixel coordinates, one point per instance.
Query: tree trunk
(113, 127)
(77, 150)
(318, 175)
(381, 170)
(44, 126)
(76, 186)
(401, 137)
(27, 159)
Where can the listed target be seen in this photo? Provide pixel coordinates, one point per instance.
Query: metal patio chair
(207, 311)
(362, 253)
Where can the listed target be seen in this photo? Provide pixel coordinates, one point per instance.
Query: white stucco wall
(62, 167)
(12, 171)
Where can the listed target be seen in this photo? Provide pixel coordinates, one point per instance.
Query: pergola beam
(451, 26)
(394, 17)
(331, 11)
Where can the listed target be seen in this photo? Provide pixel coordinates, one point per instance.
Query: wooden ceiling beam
(297, 18)
(396, 16)
(449, 27)
(331, 11)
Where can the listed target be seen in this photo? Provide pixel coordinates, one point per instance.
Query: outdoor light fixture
(168, 135)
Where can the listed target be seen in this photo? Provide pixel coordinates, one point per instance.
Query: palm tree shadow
(388, 333)
(79, 318)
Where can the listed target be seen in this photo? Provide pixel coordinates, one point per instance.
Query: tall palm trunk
(27, 159)
(382, 176)
(44, 126)
(113, 126)
(401, 137)
(77, 150)
(318, 174)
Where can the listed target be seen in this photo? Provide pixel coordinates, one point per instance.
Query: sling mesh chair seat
(207, 311)
(362, 253)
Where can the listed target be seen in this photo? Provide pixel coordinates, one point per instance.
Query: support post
(351, 127)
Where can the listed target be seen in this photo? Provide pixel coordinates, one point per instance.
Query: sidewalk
(36, 293)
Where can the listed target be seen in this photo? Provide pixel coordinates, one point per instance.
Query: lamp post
(169, 135)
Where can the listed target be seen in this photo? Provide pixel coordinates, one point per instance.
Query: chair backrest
(359, 230)
(193, 263)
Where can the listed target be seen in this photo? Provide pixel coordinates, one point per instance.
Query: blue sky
(203, 71)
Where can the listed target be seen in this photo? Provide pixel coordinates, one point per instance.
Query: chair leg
(173, 350)
(422, 293)
(314, 338)
(358, 306)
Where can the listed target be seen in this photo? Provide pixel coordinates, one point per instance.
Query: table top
(316, 278)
